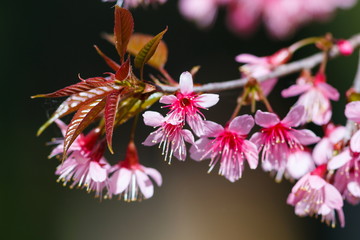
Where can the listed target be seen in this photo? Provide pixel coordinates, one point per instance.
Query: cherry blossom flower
(135, 3)
(315, 97)
(347, 176)
(352, 112)
(185, 104)
(300, 162)
(277, 139)
(170, 135)
(85, 165)
(345, 48)
(324, 149)
(312, 195)
(229, 146)
(130, 179)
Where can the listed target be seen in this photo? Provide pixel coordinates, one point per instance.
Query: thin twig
(283, 70)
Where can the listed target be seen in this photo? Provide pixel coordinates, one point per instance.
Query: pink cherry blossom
(277, 139)
(185, 104)
(352, 112)
(345, 47)
(324, 149)
(170, 135)
(347, 176)
(85, 165)
(312, 195)
(130, 180)
(300, 162)
(315, 97)
(229, 146)
(135, 3)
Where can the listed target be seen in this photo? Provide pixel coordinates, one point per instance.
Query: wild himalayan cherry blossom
(170, 135)
(229, 146)
(135, 3)
(259, 66)
(315, 97)
(325, 148)
(130, 179)
(352, 112)
(281, 17)
(85, 164)
(347, 176)
(185, 104)
(300, 162)
(277, 139)
(312, 195)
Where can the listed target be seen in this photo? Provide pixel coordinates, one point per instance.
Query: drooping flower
(312, 195)
(277, 139)
(130, 180)
(85, 165)
(170, 135)
(324, 149)
(347, 175)
(315, 97)
(228, 146)
(135, 3)
(352, 112)
(186, 104)
(300, 162)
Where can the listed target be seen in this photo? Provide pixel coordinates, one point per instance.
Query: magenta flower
(324, 149)
(85, 165)
(185, 104)
(229, 146)
(277, 139)
(347, 176)
(130, 179)
(345, 48)
(352, 112)
(312, 195)
(315, 97)
(170, 135)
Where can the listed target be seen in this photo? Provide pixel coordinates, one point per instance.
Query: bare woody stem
(283, 70)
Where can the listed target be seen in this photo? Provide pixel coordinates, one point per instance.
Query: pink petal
(153, 119)
(268, 85)
(96, 172)
(316, 182)
(199, 149)
(62, 126)
(352, 111)
(299, 163)
(354, 189)
(322, 151)
(294, 117)
(341, 217)
(355, 142)
(145, 184)
(186, 83)
(120, 180)
(256, 138)
(337, 134)
(333, 198)
(305, 136)
(153, 138)
(249, 58)
(154, 174)
(168, 99)
(188, 136)
(339, 160)
(295, 90)
(251, 154)
(266, 119)
(300, 183)
(242, 124)
(329, 91)
(207, 100)
(212, 129)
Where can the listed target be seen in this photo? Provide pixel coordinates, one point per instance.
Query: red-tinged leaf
(124, 27)
(82, 118)
(99, 82)
(138, 41)
(112, 103)
(67, 91)
(148, 51)
(123, 71)
(74, 102)
(111, 63)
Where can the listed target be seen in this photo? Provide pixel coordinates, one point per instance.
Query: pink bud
(345, 47)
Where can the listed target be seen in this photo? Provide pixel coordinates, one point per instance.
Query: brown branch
(283, 70)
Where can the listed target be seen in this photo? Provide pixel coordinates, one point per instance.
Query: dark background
(45, 44)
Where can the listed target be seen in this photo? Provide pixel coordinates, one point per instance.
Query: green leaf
(148, 51)
(124, 27)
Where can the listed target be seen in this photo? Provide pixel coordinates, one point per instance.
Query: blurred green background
(45, 44)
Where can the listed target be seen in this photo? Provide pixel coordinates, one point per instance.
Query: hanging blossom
(135, 3)
(300, 162)
(312, 195)
(324, 150)
(85, 165)
(352, 112)
(347, 175)
(315, 97)
(228, 146)
(277, 139)
(170, 135)
(130, 180)
(259, 66)
(186, 104)
(281, 17)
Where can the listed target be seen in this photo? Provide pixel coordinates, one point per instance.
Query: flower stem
(133, 128)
